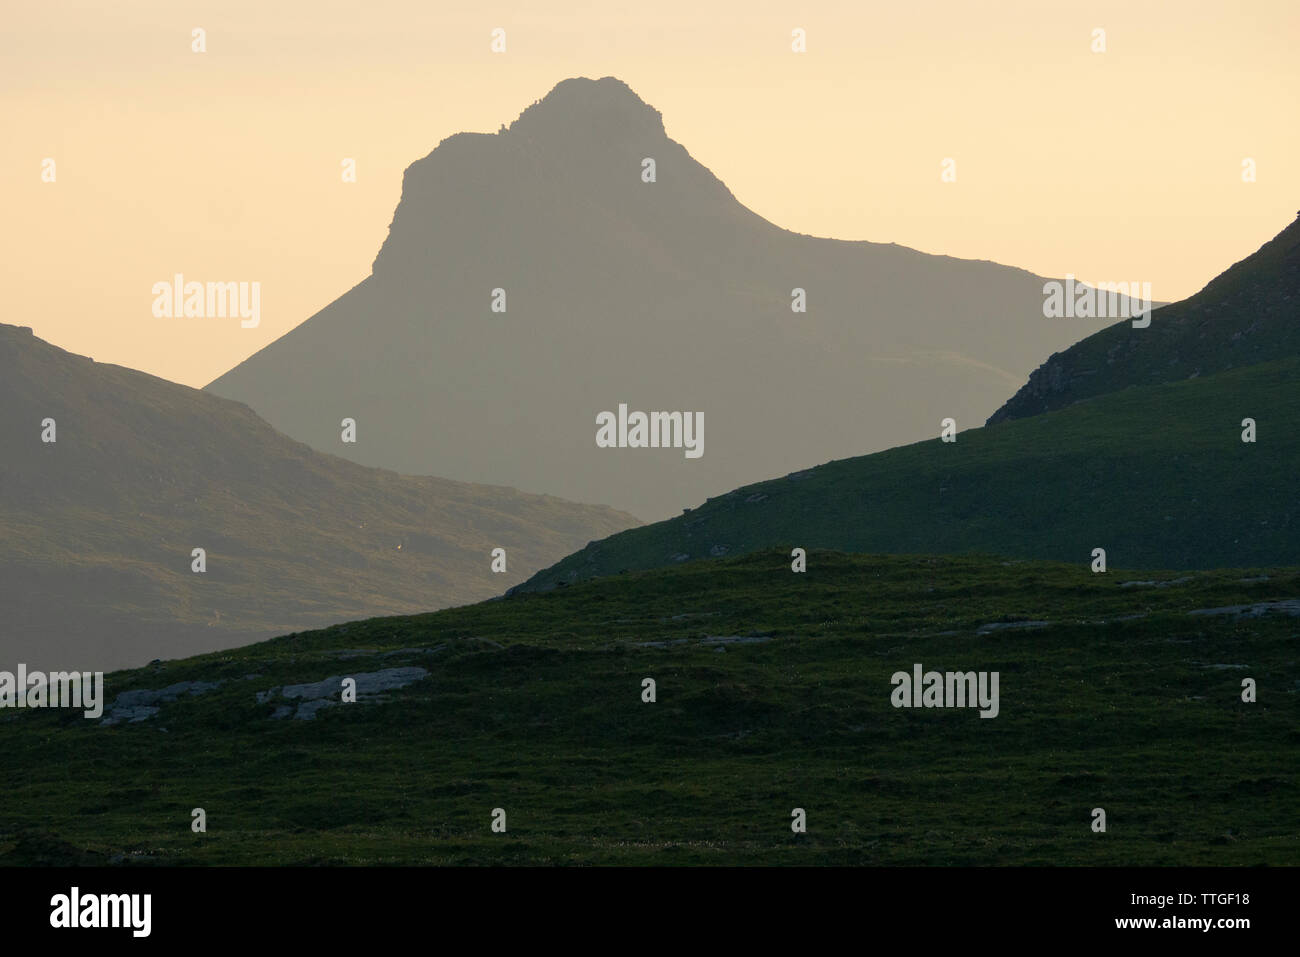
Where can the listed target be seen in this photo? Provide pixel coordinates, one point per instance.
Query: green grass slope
(1248, 314)
(1121, 699)
(1157, 476)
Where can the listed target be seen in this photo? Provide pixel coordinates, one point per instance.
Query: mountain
(97, 528)
(666, 296)
(1248, 314)
(773, 691)
(1155, 471)
(1157, 475)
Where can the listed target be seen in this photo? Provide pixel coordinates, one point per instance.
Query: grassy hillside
(97, 528)
(1157, 476)
(773, 693)
(1248, 314)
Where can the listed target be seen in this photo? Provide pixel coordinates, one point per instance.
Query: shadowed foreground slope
(773, 693)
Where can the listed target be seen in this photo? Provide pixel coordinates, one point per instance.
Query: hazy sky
(225, 165)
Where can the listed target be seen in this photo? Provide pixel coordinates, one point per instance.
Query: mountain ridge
(668, 295)
(97, 527)
(1247, 314)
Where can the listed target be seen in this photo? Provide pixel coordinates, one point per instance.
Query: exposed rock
(712, 640)
(142, 703)
(327, 692)
(1287, 606)
(138, 713)
(1000, 625)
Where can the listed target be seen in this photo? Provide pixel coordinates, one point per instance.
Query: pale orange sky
(1121, 166)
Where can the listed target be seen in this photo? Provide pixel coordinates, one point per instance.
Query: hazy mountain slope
(1248, 314)
(97, 528)
(1158, 476)
(668, 296)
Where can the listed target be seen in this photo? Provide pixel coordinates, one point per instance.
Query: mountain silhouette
(665, 296)
(97, 528)
(1248, 314)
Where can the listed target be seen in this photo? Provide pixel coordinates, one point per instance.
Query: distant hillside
(97, 528)
(667, 296)
(1247, 315)
(1158, 476)
(773, 691)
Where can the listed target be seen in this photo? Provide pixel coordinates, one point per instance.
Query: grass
(1244, 316)
(1158, 476)
(533, 704)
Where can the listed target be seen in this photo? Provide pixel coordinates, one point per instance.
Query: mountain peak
(583, 257)
(603, 105)
(573, 156)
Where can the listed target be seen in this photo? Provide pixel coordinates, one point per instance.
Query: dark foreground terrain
(773, 693)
